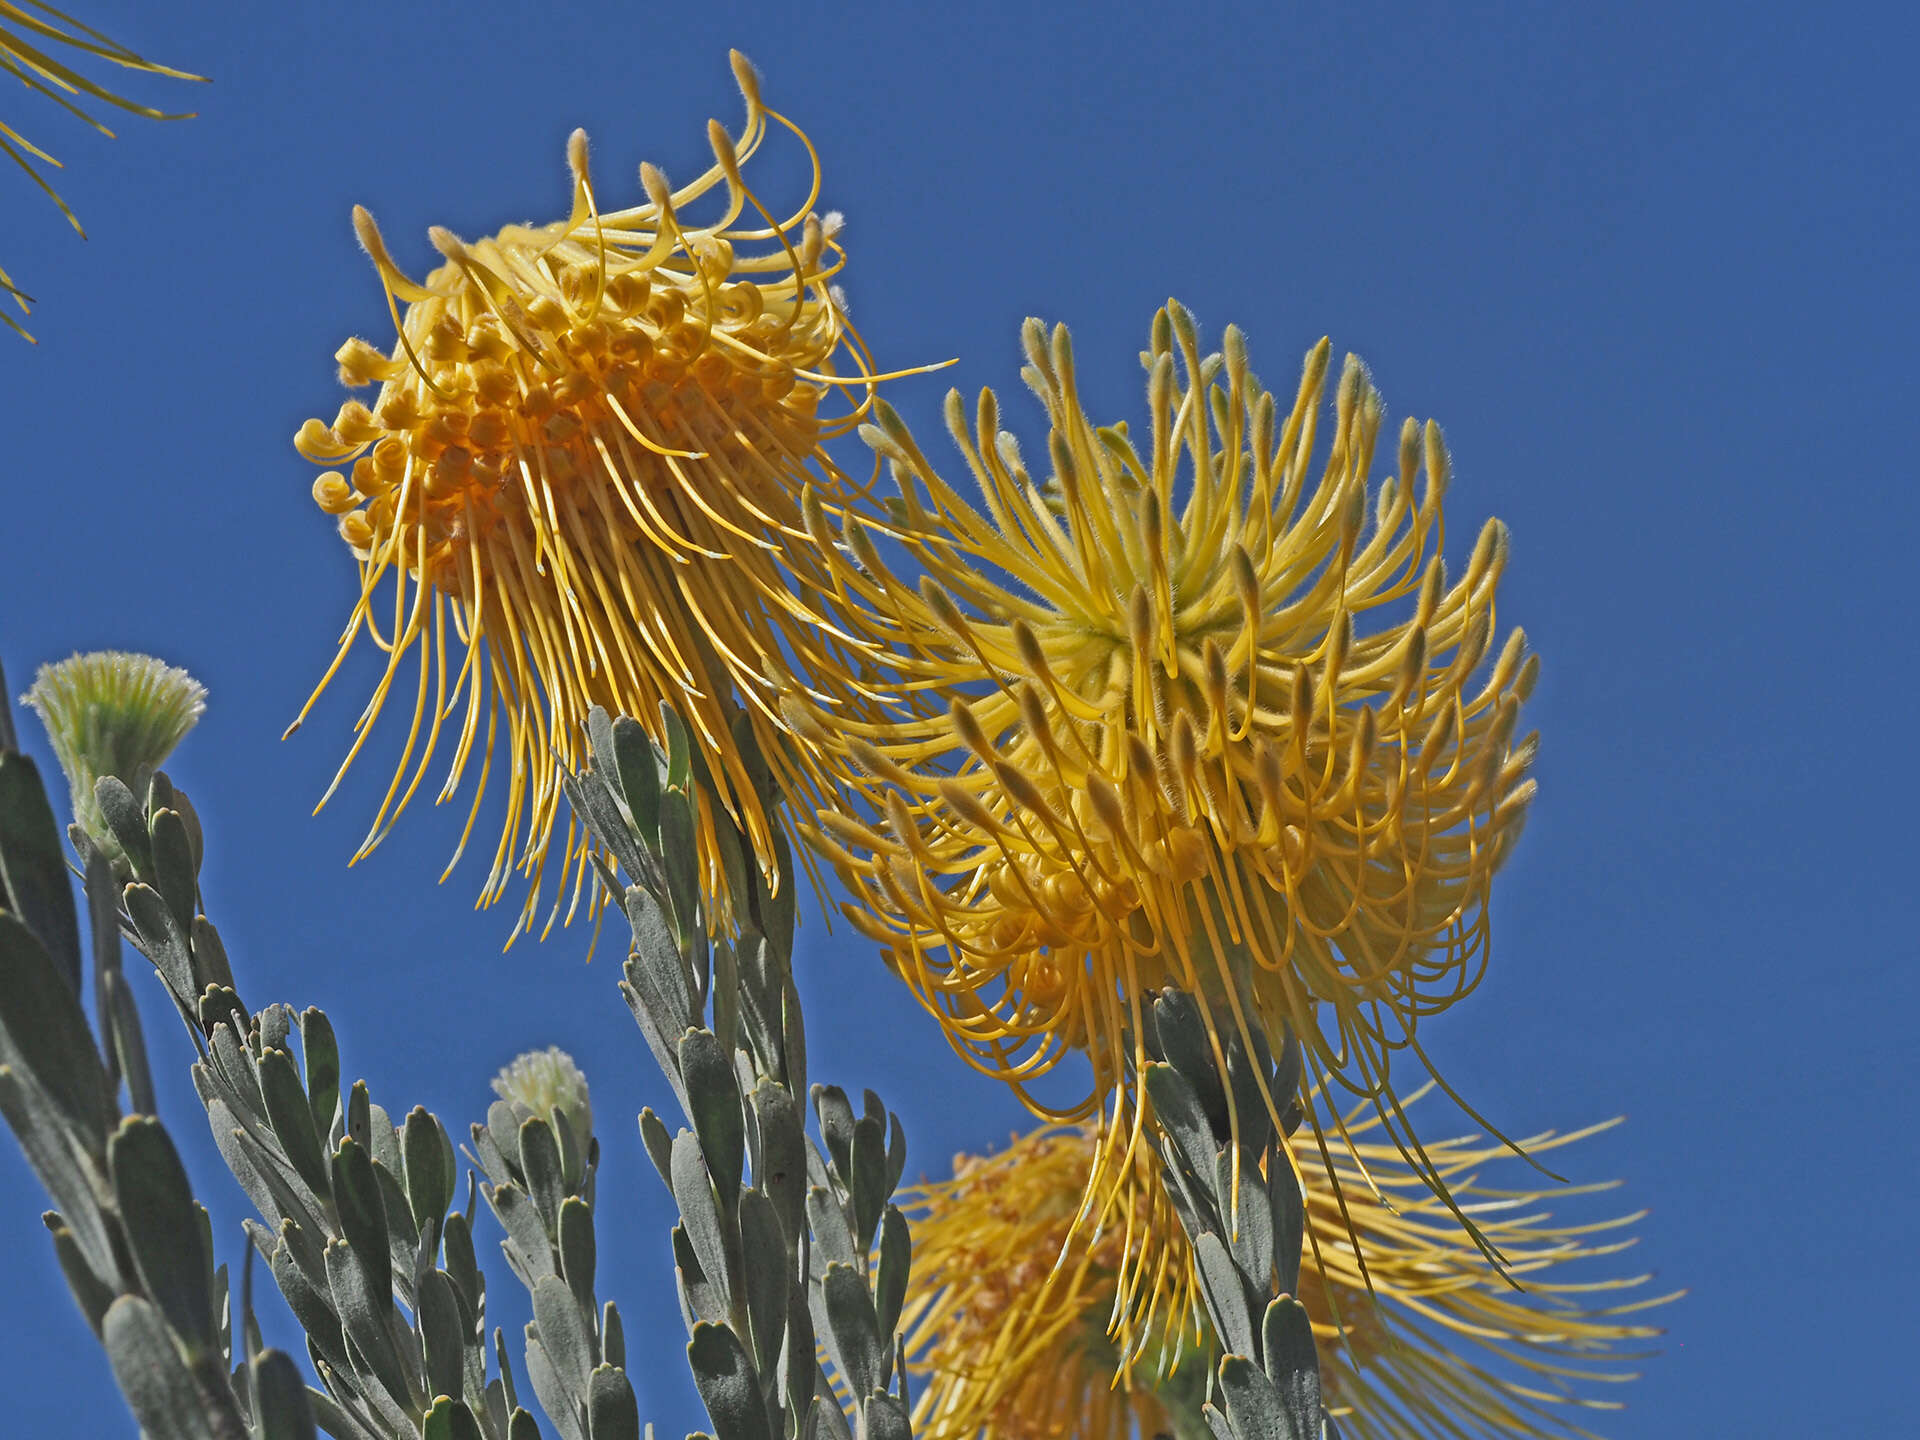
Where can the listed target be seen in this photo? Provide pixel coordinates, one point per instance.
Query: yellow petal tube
(1211, 716)
(1444, 1348)
(587, 452)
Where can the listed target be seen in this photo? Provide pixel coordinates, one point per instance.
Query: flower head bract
(587, 453)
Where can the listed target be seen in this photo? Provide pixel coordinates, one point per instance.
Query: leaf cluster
(785, 1244)
(1231, 1178)
(135, 1246)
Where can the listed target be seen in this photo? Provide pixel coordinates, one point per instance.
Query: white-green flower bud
(541, 1082)
(113, 713)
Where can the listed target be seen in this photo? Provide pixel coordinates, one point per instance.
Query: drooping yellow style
(32, 38)
(587, 451)
(1220, 719)
(1444, 1347)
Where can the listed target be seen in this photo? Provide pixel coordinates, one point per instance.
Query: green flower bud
(541, 1082)
(113, 713)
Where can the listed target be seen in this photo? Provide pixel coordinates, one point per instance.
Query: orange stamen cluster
(587, 450)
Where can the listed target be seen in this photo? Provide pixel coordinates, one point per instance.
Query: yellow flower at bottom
(1008, 1349)
(587, 453)
(1444, 1347)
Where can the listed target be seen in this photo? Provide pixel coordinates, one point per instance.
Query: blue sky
(1653, 270)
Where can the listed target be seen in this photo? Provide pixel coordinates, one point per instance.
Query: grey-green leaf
(450, 1419)
(45, 1032)
(545, 1171)
(163, 1228)
(1225, 1294)
(292, 1118)
(1252, 1403)
(727, 1384)
(829, 1223)
(120, 1019)
(782, 1161)
(311, 1306)
(210, 961)
(699, 1212)
(896, 1258)
(577, 1253)
(713, 1096)
(1249, 1222)
(853, 1336)
(763, 1251)
(613, 1336)
(1177, 1111)
(442, 1334)
(886, 1418)
(653, 1134)
(127, 819)
(429, 1163)
(612, 1412)
(639, 772)
(463, 1266)
(830, 1103)
(1293, 1363)
(33, 870)
(868, 1181)
(363, 1311)
(363, 1219)
(281, 1407)
(92, 1296)
(321, 1053)
(679, 853)
(526, 1232)
(1182, 1032)
(163, 941)
(173, 867)
(1289, 1211)
(151, 1373)
(564, 1334)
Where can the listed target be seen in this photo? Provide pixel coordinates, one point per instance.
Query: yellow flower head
(587, 449)
(1235, 732)
(1022, 1326)
(1443, 1347)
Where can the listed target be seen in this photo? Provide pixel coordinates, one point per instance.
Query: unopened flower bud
(543, 1083)
(113, 713)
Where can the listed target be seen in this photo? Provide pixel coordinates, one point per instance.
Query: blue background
(1653, 269)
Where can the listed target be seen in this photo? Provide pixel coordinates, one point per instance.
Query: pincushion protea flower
(1235, 732)
(587, 452)
(1024, 1326)
(32, 38)
(1443, 1347)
